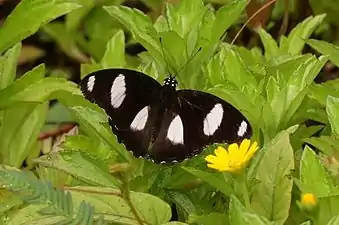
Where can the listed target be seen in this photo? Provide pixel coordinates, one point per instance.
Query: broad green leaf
(141, 27)
(235, 69)
(303, 131)
(92, 122)
(183, 202)
(298, 35)
(75, 18)
(80, 165)
(66, 41)
(29, 88)
(328, 208)
(175, 223)
(8, 63)
(185, 16)
(298, 85)
(19, 131)
(332, 109)
(311, 172)
(22, 123)
(29, 215)
(210, 219)
(270, 45)
(326, 144)
(29, 16)
(239, 216)
(217, 180)
(99, 27)
(334, 220)
(320, 92)
(272, 195)
(230, 11)
(90, 145)
(109, 202)
(8, 201)
(325, 48)
(306, 223)
(114, 56)
(175, 55)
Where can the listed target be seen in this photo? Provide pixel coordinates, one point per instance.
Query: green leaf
(8, 63)
(141, 27)
(210, 219)
(320, 92)
(303, 131)
(185, 16)
(217, 180)
(326, 144)
(334, 220)
(311, 171)
(175, 223)
(328, 208)
(332, 109)
(298, 35)
(325, 48)
(230, 11)
(66, 41)
(270, 45)
(8, 201)
(239, 216)
(29, 16)
(114, 56)
(272, 195)
(235, 70)
(109, 202)
(92, 122)
(19, 131)
(80, 165)
(30, 213)
(31, 88)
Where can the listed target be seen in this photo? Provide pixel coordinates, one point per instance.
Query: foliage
(92, 179)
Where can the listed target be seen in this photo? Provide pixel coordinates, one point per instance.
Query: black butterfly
(156, 121)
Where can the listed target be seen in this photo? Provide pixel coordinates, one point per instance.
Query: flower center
(235, 163)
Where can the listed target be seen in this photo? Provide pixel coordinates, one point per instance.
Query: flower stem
(243, 189)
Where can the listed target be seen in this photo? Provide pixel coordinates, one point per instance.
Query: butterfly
(157, 121)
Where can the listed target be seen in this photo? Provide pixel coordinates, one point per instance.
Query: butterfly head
(171, 82)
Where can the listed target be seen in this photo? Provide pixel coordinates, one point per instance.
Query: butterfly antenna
(188, 61)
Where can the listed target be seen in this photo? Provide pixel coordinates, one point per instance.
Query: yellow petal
(221, 152)
(217, 167)
(211, 159)
(233, 150)
(245, 144)
(253, 149)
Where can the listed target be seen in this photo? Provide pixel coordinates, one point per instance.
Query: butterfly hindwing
(196, 120)
(126, 96)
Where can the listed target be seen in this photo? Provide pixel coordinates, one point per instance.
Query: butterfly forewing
(201, 119)
(126, 96)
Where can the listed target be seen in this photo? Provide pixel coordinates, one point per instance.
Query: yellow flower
(308, 200)
(234, 158)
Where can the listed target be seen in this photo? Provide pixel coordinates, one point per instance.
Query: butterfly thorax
(168, 91)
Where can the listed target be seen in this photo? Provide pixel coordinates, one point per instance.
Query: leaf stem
(126, 195)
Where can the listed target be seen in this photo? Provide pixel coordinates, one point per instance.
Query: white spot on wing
(90, 83)
(118, 91)
(242, 129)
(213, 119)
(175, 131)
(140, 119)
